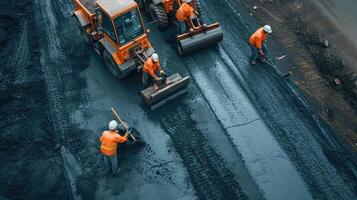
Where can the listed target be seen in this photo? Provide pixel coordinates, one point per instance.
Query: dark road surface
(241, 132)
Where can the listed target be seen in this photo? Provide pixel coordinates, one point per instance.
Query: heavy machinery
(116, 31)
(198, 35)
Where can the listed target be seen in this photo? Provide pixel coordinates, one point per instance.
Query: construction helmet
(267, 29)
(188, 1)
(113, 125)
(155, 57)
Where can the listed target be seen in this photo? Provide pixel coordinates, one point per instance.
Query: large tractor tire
(112, 66)
(157, 13)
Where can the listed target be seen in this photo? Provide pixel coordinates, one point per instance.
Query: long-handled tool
(128, 132)
(272, 65)
(165, 90)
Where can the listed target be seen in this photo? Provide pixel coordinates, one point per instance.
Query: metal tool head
(200, 38)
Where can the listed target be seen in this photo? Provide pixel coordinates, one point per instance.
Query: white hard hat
(267, 29)
(155, 57)
(113, 125)
(188, 1)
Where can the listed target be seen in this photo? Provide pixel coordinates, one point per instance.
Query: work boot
(262, 60)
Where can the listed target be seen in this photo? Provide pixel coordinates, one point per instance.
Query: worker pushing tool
(184, 15)
(193, 34)
(259, 49)
(257, 44)
(109, 144)
(151, 67)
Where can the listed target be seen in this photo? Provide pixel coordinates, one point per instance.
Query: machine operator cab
(123, 31)
(122, 27)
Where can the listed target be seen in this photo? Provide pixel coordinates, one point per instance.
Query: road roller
(198, 34)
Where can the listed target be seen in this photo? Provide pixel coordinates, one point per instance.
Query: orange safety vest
(151, 66)
(110, 140)
(184, 12)
(258, 38)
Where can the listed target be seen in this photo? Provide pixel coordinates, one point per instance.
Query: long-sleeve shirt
(258, 38)
(151, 66)
(110, 140)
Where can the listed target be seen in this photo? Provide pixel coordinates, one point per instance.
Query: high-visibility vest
(258, 38)
(110, 140)
(184, 12)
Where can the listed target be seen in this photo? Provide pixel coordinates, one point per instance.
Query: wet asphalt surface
(241, 132)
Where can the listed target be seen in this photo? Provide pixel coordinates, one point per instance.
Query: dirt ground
(241, 132)
(302, 27)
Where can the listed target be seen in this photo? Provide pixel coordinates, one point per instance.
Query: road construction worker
(183, 15)
(110, 140)
(151, 67)
(257, 43)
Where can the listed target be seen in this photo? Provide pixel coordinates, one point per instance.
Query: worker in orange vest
(257, 43)
(151, 67)
(110, 140)
(183, 14)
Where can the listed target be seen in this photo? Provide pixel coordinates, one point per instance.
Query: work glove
(157, 79)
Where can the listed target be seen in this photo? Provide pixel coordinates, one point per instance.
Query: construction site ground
(241, 132)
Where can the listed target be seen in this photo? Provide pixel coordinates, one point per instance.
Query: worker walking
(151, 67)
(110, 140)
(185, 13)
(257, 43)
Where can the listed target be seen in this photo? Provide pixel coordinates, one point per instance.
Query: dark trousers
(255, 52)
(147, 80)
(181, 27)
(111, 162)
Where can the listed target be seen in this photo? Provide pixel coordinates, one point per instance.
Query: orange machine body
(113, 9)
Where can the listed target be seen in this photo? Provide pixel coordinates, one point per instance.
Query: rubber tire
(112, 66)
(157, 12)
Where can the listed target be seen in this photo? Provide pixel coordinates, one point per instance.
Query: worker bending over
(110, 140)
(257, 43)
(184, 14)
(151, 67)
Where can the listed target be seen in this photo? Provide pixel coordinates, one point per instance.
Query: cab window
(128, 26)
(108, 26)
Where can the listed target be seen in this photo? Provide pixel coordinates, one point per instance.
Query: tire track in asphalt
(208, 174)
(52, 61)
(18, 56)
(294, 123)
(264, 159)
